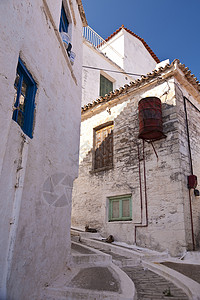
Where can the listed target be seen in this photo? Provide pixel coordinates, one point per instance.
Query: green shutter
(106, 86)
(120, 208)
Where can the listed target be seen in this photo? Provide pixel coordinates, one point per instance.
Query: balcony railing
(97, 41)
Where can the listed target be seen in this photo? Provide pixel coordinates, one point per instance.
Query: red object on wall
(192, 181)
(150, 119)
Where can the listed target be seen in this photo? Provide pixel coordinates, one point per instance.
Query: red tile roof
(139, 38)
(155, 74)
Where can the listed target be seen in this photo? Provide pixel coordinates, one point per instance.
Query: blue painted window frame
(120, 200)
(27, 113)
(64, 24)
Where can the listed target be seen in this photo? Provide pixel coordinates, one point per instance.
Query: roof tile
(154, 74)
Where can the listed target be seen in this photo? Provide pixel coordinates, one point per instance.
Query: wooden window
(120, 208)
(106, 86)
(103, 147)
(24, 101)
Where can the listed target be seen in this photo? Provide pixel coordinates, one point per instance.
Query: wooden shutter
(106, 86)
(103, 147)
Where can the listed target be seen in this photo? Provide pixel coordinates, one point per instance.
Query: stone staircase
(91, 275)
(152, 279)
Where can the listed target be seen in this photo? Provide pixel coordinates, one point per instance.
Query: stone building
(133, 189)
(111, 63)
(40, 120)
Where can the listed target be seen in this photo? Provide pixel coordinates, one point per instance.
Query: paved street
(190, 270)
(151, 286)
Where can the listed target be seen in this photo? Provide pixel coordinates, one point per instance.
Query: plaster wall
(91, 77)
(164, 178)
(114, 49)
(36, 175)
(131, 56)
(137, 58)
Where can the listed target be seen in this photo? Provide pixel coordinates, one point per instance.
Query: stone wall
(193, 114)
(160, 225)
(35, 206)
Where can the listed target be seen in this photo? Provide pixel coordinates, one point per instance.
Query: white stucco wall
(34, 223)
(131, 56)
(114, 48)
(91, 77)
(137, 58)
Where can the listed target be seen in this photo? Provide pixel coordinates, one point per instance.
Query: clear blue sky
(170, 27)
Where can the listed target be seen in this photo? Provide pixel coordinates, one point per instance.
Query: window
(106, 86)
(120, 208)
(103, 147)
(63, 28)
(63, 21)
(24, 101)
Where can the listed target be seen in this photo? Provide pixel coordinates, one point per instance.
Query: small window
(103, 147)
(64, 24)
(120, 208)
(106, 86)
(24, 101)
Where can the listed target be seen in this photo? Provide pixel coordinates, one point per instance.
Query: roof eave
(82, 13)
(176, 69)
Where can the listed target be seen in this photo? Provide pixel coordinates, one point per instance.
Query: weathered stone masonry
(166, 222)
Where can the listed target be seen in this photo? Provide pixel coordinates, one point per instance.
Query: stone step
(80, 294)
(150, 285)
(192, 256)
(137, 254)
(107, 282)
(83, 255)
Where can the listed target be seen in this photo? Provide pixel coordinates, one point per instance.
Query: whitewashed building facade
(111, 63)
(40, 120)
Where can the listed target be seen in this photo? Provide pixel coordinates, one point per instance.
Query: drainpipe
(140, 181)
(191, 169)
(145, 195)
(188, 136)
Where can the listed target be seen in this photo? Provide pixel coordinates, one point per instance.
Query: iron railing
(97, 41)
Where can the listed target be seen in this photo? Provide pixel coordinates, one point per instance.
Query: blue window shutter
(29, 112)
(63, 21)
(26, 88)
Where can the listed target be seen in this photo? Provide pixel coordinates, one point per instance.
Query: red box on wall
(192, 182)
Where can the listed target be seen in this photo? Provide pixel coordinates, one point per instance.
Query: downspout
(145, 195)
(191, 169)
(145, 186)
(140, 181)
(188, 136)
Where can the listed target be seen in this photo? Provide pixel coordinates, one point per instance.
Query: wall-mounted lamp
(196, 193)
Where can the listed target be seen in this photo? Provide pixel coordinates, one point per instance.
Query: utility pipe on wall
(145, 195)
(191, 169)
(188, 136)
